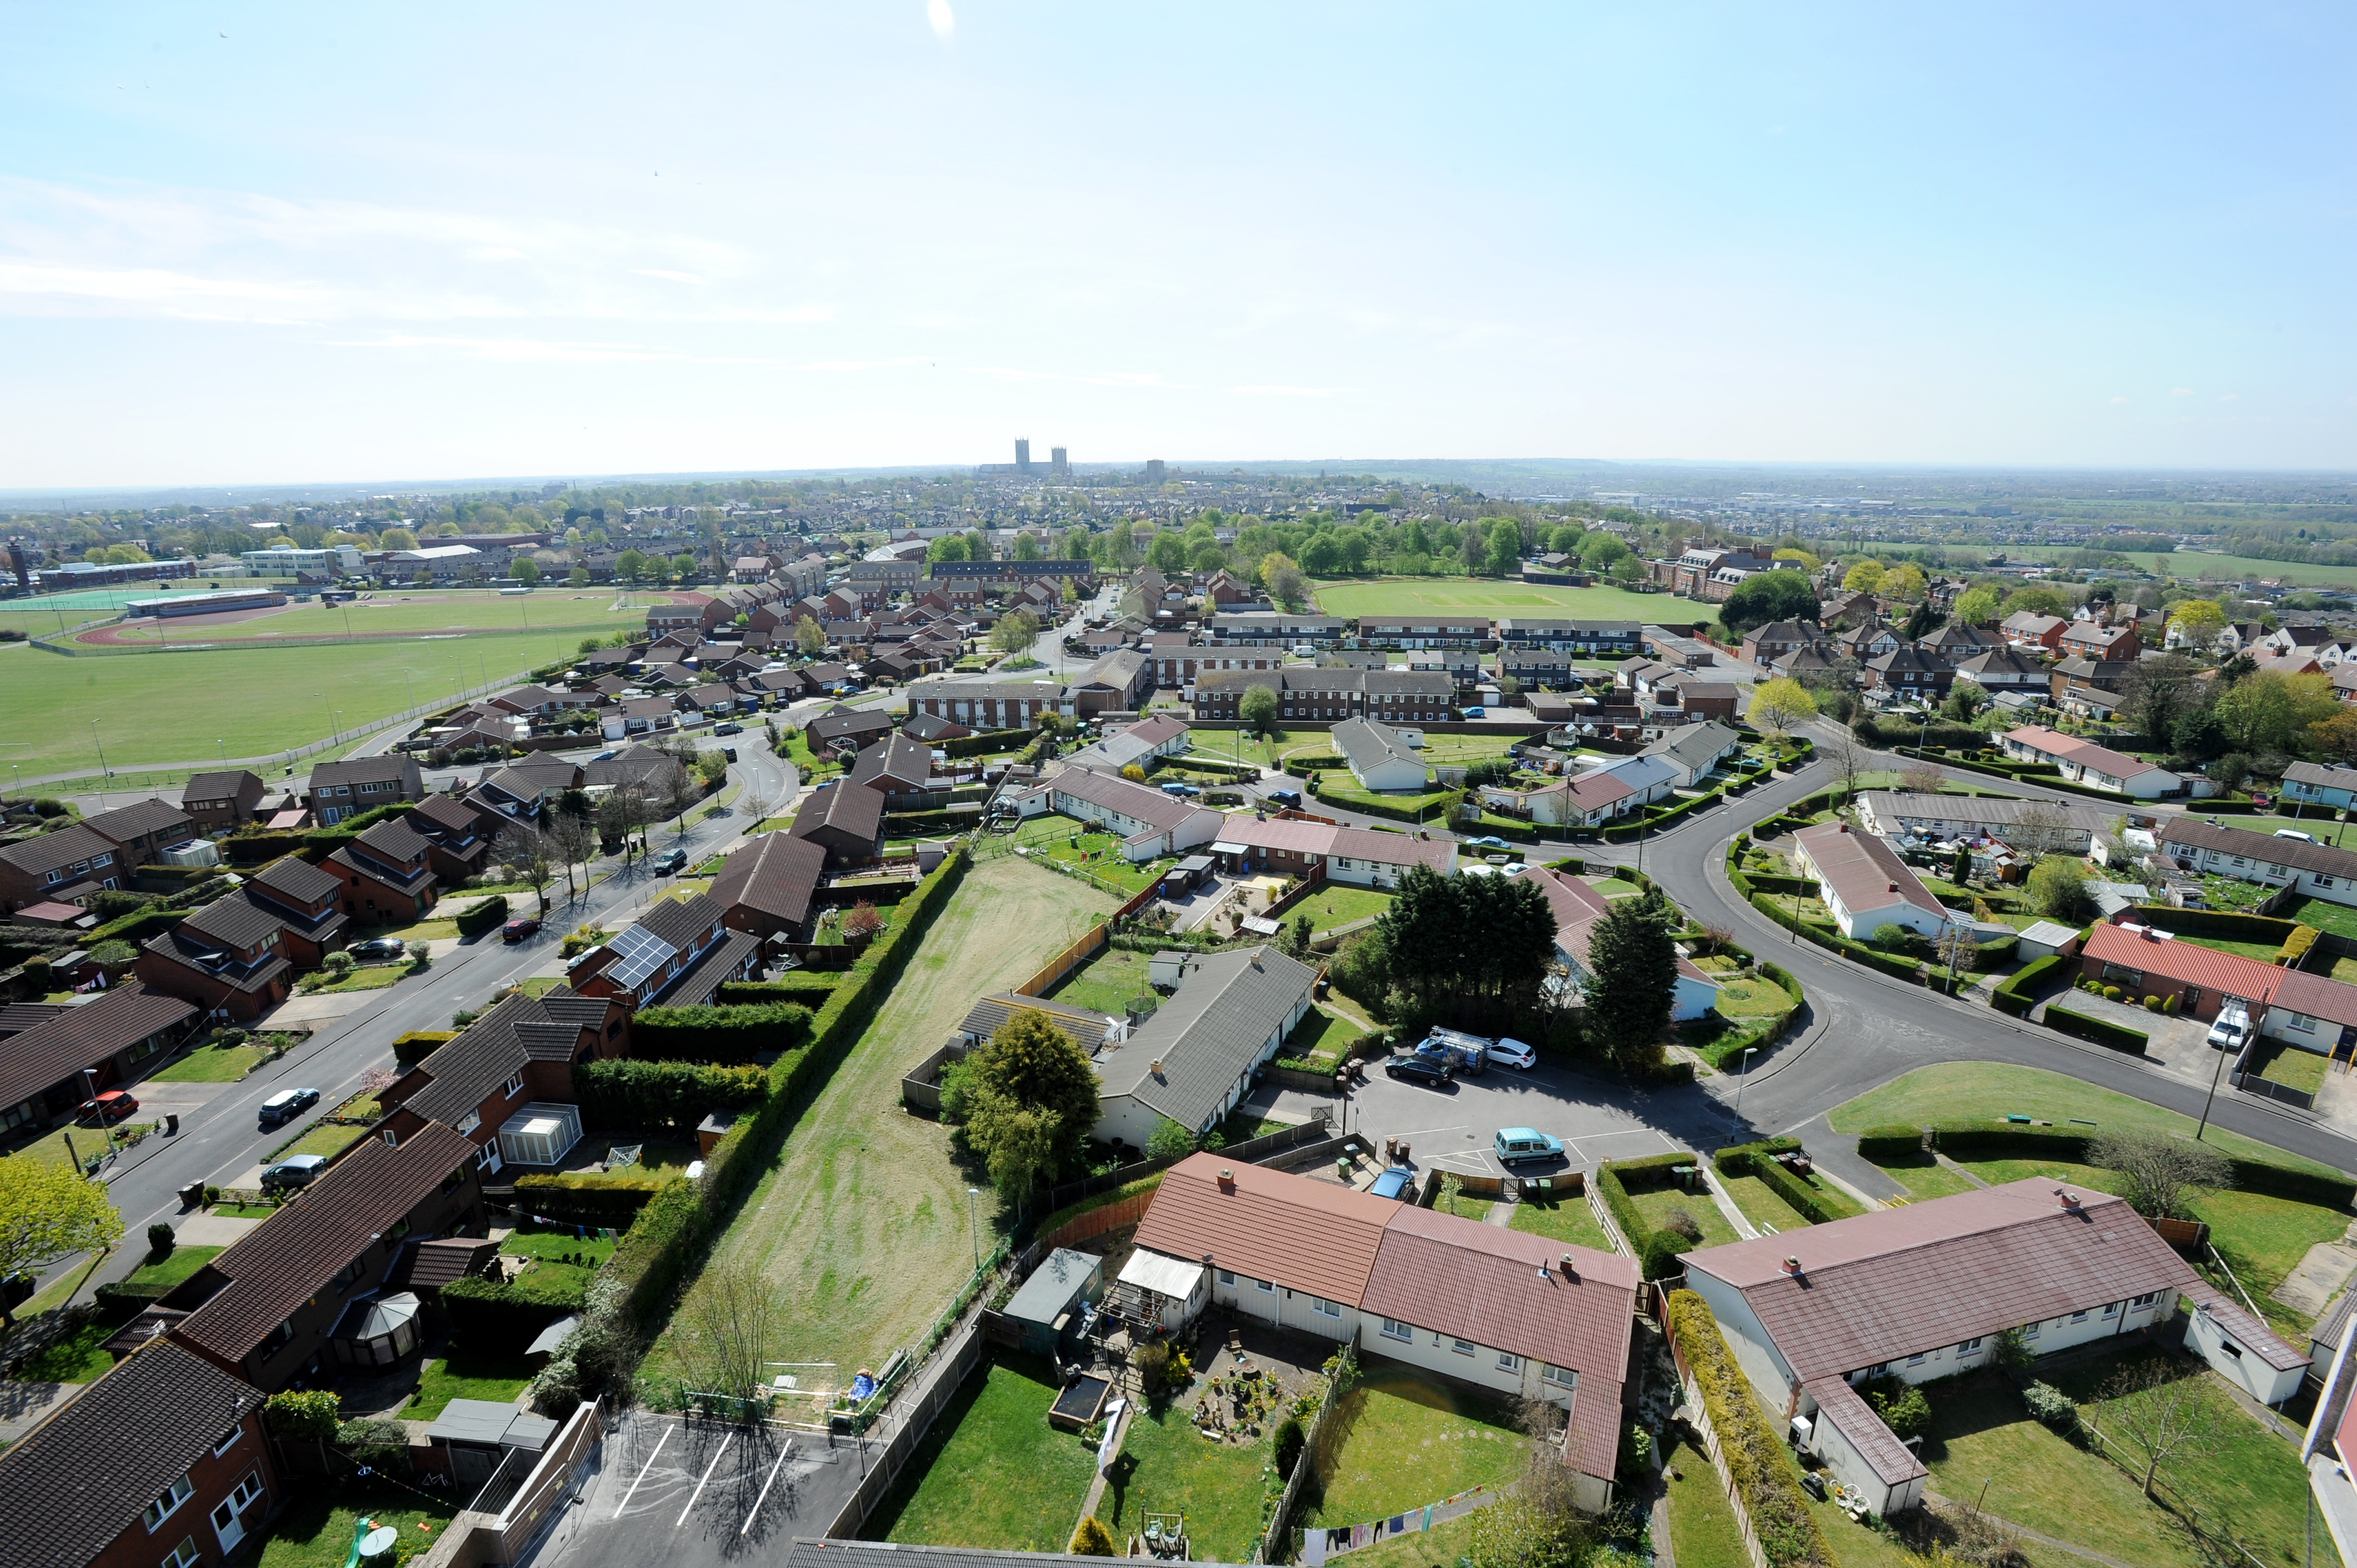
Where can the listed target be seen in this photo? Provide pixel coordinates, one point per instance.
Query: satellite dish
(380, 1541)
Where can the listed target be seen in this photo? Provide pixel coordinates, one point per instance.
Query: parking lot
(1451, 1128)
(690, 1493)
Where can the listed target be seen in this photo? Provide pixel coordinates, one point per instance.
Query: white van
(2232, 1027)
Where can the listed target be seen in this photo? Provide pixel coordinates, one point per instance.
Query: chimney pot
(1791, 1265)
(2070, 1199)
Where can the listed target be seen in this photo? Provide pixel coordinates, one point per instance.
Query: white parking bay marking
(707, 1475)
(783, 1454)
(642, 1471)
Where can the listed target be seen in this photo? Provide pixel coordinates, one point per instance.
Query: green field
(412, 614)
(2194, 566)
(1412, 596)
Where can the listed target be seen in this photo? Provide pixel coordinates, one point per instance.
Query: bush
(160, 1242)
(119, 1303)
(2098, 1031)
(1778, 1509)
(489, 914)
(1290, 1440)
(721, 1035)
(1903, 1407)
(303, 1415)
(1660, 1255)
(667, 1096)
(2016, 996)
(1892, 1141)
(2152, 1004)
(1678, 1222)
(1760, 1160)
(2050, 1405)
(411, 1048)
(600, 1200)
(382, 1445)
(1636, 1450)
(488, 1319)
(1091, 1537)
(2111, 994)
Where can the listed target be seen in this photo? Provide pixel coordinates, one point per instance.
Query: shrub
(1894, 1140)
(1289, 1441)
(2152, 1004)
(2016, 996)
(1660, 1254)
(615, 1201)
(490, 1319)
(1903, 1407)
(382, 1445)
(160, 1242)
(411, 1048)
(1679, 1223)
(1091, 1539)
(2098, 1031)
(489, 914)
(722, 1035)
(2050, 1405)
(669, 1096)
(1636, 1449)
(2111, 994)
(1153, 1363)
(2168, 1006)
(303, 1415)
(1778, 1510)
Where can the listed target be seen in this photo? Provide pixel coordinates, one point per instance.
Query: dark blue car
(1395, 1183)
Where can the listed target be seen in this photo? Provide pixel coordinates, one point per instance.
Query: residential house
(1304, 693)
(1295, 846)
(1841, 609)
(859, 728)
(65, 865)
(769, 887)
(514, 1061)
(1807, 665)
(342, 790)
(1193, 1060)
(222, 802)
(2053, 827)
(1521, 1317)
(677, 954)
(2321, 784)
(1272, 628)
(1139, 745)
(519, 790)
(229, 958)
(1537, 667)
(2104, 644)
(1908, 673)
(897, 768)
(845, 821)
(1151, 823)
(306, 902)
(1423, 631)
(1689, 700)
(458, 838)
(2028, 630)
(2085, 762)
(115, 1038)
(1693, 751)
(1119, 682)
(1593, 639)
(1868, 640)
(2318, 870)
(1956, 641)
(2088, 688)
(386, 877)
(1766, 644)
(301, 1293)
(2003, 669)
(1865, 884)
(1378, 755)
(1577, 908)
(932, 731)
(161, 1459)
(1926, 1290)
(141, 831)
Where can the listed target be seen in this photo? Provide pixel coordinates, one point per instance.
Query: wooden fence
(1276, 1538)
(1700, 1420)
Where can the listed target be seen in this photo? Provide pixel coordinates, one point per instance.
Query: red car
(517, 930)
(112, 1106)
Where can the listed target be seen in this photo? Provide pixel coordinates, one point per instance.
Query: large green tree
(1632, 971)
(1450, 938)
(1768, 597)
(49, 1211)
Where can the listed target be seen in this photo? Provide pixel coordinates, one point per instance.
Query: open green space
(1559, 1217)
(374, 977)
(1973, 1090)
(1399, 1441)
(2198, 566)
(1106, 983)
(1071, 843)
(2262, 953)
(991, 1471)
(462, 1376)
(1166, 1467)
(323, 1138)
(1346, 792)
(317, 1529)
(211, 1063)
(1924, 1177)
(1752, 996)
(1456, 750)
(1660, 1204)
(1337, 904)
(2340, 920)
(559, 1257)
(1320, 1038)
(410, 612)
(2318, 825)
(1761, 1205)
(182, 1263)
(1418, 596)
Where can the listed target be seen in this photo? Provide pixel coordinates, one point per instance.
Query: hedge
(2014, 996)
(1771, 1496)
(120, 1302)
(807, 986)
(488, 1319)
(582, 1200)
(414, 1047)
(1760, 1160)
(664, 1242)
(2100, 1031)
(728, 1035)
(490, 913)
(1891, 1141)
(901, 824)
(135, 928)
(1657, 1250)
(985, 740)
(2024, 775)
(1833, 941)
(667, 1095)
(2215, 923)
(2000, 1139)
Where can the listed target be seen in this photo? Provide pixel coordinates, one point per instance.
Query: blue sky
(244, 243)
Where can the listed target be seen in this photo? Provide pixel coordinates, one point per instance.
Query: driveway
(1452, 1129)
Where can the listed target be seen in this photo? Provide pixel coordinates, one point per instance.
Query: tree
(1922, 779)
(1456, 937)
(2336, 737)
(624, 811)
(526, 571)
(672, 789)
(1778, 704)
(2041, 831)
(49, 1211)
(1169, 1141)
(2158, 694)
(1286, 584)
(629, 565)
(2197, 621)
(1976, 606)
(1091, 1539)
(2267, 710)
(1027, 547)
(1598, 551)
(1206, 558)
(579, 577)
(809, 637)
(1168, 553)
(754, 807)
(2035, 598)
(1016, 633)
(1505, 548)
(1863, 578)
(528, 854)
(1767, 596)
(574, 838)
(1633, 969)
(2058, 886)
(726, 1330)
(1033, 1064)
(2157, 1409)
(397, 539)
(2165, 1173)
(1904, 581)
(1017, 1143)
(1258, 709)
(421, 579)
(1965, 700)
(1538, 1523)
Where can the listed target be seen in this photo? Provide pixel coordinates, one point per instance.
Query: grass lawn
(1414, 596)
(1752, 997)
(2320, 827)
(1068, 843)
(1399, 1441)
(211, 1063)
(460, 1376)
(991, 1471)
(1166, 1467)
(75, 1358)
(323, 1138)
(860, 1222)
(1761, 1205)
(244, 1210)
(1955, 1091)
(1106, 983)
(1701, 1522)
(1454, 750)
(315, 1530)
(1656, 1207)
(1333, 905)
(1559, 1217)
(1321, 1038)
(374, 977)
(2340, 920)
(539, 985)
(1345, 791)
(2279, 1061)
(1442, 1546)
(1924, 1177)
(51, 1146)
(182, 1263)
(2264, 953)
(551, 1251)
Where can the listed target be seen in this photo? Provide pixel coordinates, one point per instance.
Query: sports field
(1413, 595)
(2190, 565)
(394, 615)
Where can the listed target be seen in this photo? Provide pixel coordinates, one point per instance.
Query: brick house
(678, 954)
(770, 888)
(990, 705)
(518, 1056)
(307, 903)
(141, 831)
(117, 1035)
(220, 803)
(63, 867)
(340, 789)
(229, 957)
(386, 877)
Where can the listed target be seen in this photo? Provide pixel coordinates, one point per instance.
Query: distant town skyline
(281, 246)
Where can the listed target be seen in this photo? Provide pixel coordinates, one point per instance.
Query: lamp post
(103, 772)
(1741, 1076)
(974, 1221)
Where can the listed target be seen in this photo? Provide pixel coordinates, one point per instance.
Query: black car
(1420, 1069)
(380, 948)
(728, 729)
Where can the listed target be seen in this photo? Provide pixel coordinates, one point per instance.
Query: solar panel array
(640, 953)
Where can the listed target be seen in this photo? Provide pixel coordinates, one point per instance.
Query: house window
(183, 1556)
(1969, 1347)
(2303, 1023)
(225, 1512)
(167, 1502)
(515, 1084)
(2146, 1299)
(1919, 1358)
(469, 1122)
(2031, 1331)
(229, 1441)
(1265, 1287)
(2080, 1316)
(1228, 1277)
(1462, 1347)
(1394, 1329)
(1325, 1308)
(349, 1272)
(1509, 1362)
(1563, 1377)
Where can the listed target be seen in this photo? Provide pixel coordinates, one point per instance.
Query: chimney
(1842, 827)
(1894, 887)
(1227, 1179)
(1792, 1267)
(1569, 1271)
(2070, 1199)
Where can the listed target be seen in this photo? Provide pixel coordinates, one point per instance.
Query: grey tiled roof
(138, 820)
(1208, 1033)
(465, 1071)
(298, 879)
(72, 1038)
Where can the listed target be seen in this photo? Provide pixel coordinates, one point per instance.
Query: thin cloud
(2180, 391)
(944, 24)
(1287, 392)
(674, 277)
(1142, 379)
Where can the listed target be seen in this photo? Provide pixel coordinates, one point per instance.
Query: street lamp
(104, 773)
(1742, 1073)
(971, 1194)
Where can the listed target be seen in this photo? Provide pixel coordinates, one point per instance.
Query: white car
(2295, 833)
(1514, 1053)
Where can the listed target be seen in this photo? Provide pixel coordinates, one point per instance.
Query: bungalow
(2057, 827)
(222, 802)
(340, 789)
(1578, 907)
(769, 885)
(2312, 1011)
(291, 1297)
(115, 1037)
(1378, 755)
(62, 866)
(518, 1057)
(2321, 784)
(1865, 884)
(2002, 670)
(386, 877)
(1138, 744)
(1925, 1290)
(2319, 870)
(1193, 1060)
(677, 953)
(1518, 1315)
(1296, 847)
(2085, 762)
(1692, 751)
(2028, 630)
(1151, 823)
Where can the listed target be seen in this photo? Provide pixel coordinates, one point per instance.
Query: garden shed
(2048, 938)
(480, 1435)
(541, 1134)
(1161, 1290)
(1047, 1310)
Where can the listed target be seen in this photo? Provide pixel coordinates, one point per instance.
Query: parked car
(2232, 1027)
(286, 1104)
(524, 925)
(1487, 842)
(1420, 1069)
(1176, 787)
(1457, 1051)
(728, 729)
(1476, 712)
(730, 752)
(1395, 1183)
(671, 862)
(294, 1170)
(1287, 798)
(2295, 833)
(112, 1106)
(1514, 1145)
(379, 950)
(1514, 1053)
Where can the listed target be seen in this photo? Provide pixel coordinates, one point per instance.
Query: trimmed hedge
(984, 740)
(1615, 1179)
(135, 928)
(729, 1035)
(577, 1200)
(1760, 1160)
(1891, 1141)
(1998, 1140)
(489, 914)
(2099, 1031)
(901, 823)
(489, 1319)
(414, 1047)
(667, 1095)
(2014, 996)
(120, 1302)
(2225, 923)
(1770, 1495)
(809, 987)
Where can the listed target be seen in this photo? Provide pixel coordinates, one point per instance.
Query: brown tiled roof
(52, 1051)
(378, 871)
(1864, 871)
(988, 1015)
(465, 1071)
(845, 809)
(720, 962)
(85, 1474)
(286, 1259)
(2194, 834)
(298, 879)
(231, 922)
(446, 812)
(1298, 1233)
(62, 847)
(218, 786)
(430, 1265)
(777, 874)
(140, 819)
(363, 769)
(896, 759)
(394, 839)
(682, 922)
(1892, 1460)
(18, 1017)
(1899, 1282)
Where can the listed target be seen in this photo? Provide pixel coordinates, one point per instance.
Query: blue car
(1395, 1183)
(1491, 841)
(1476, 712)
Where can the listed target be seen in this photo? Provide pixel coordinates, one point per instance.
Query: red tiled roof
(1864, 871)
(1875, 1442)
(1301, 1234)
(2188, 963)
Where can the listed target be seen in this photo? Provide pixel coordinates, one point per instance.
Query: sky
(280, 244)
